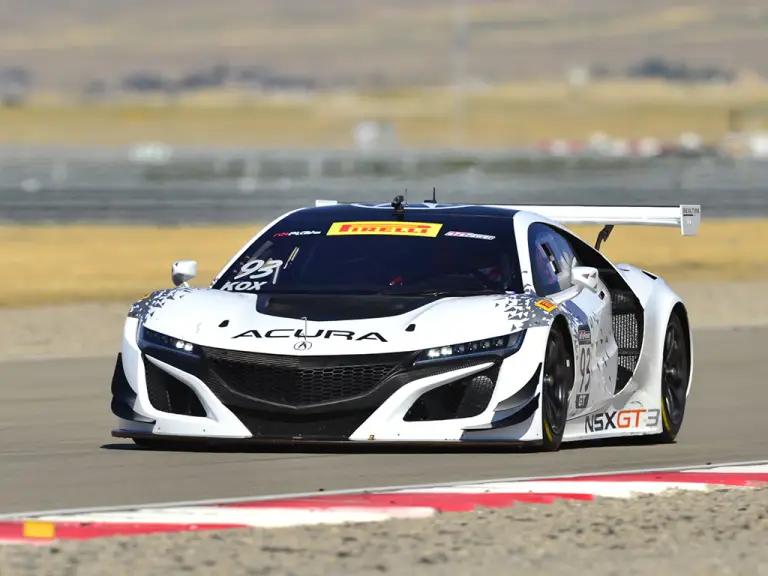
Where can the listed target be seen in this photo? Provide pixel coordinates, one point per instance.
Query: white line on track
(56, 358)
(415, 487)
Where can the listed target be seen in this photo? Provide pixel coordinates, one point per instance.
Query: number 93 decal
(585, 367)
(247, 279)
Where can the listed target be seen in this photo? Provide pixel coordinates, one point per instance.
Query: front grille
(299, 381)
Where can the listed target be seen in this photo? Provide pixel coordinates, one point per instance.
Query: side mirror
(183, 271)
(584, 277)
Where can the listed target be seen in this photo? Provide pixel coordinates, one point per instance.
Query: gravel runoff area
(93, 329)
(723, 532)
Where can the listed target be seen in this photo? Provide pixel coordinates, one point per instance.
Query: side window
(552, 258)
(568, 260)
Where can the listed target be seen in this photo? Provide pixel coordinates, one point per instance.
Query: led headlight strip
(507, 343)
(156, 339)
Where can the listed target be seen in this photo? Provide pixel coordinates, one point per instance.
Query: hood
(234, 321)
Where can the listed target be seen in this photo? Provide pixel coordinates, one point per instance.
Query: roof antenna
(434, 197)
(397, 204)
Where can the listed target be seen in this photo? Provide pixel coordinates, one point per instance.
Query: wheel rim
(674, 373)
(555, 387)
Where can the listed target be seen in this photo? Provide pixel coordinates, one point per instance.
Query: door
(590, 319)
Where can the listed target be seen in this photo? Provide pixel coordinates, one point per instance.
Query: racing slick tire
(557, 382)
(675, 375)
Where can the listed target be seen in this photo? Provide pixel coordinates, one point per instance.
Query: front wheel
(556, 387)
(675, 376)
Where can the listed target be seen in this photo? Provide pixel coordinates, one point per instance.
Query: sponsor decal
(691, 210)
(623, 419)
(469, 235)
(581, 401)
(546, 305)
(296, 233)
(248, 276)
(384, 229)
(326, 334)
(584, 335)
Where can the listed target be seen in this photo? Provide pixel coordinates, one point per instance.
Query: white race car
(420, 322)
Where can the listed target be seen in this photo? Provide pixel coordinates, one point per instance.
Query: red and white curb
(367, 506)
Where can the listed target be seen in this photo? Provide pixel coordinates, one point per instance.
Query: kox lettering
(326, 334)
(253, 271)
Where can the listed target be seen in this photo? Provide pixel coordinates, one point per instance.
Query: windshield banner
(384, 229)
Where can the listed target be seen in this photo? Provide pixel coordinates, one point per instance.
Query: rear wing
(685, 216)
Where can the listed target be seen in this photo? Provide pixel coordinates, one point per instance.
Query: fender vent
(628, 331)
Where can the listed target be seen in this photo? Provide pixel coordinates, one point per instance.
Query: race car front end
(342, 323)
(483, 389)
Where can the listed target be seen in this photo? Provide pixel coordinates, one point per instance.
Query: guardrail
(159, 165)
(158, 184)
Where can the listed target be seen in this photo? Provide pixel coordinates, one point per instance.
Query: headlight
(509, 343)
(151, 338)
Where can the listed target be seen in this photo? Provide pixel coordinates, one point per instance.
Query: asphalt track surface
(56, 451)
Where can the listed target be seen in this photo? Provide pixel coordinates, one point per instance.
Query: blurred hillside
(96, 45)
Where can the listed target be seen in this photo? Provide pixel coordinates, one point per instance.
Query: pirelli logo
(546, 305)
(384, 229)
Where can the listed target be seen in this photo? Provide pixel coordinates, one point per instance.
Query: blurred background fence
(270, 104)
(163, 185)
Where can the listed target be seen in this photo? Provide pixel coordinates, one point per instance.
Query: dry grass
(68, 264)
(508, 115)
(68, 42)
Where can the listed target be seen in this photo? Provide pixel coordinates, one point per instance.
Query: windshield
(452, 255)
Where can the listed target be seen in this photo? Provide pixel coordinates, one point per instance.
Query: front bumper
(235, 396)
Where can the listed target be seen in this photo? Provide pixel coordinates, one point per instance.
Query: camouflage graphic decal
(529, 311)
(146, 307)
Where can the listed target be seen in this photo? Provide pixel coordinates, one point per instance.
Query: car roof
(384, 211)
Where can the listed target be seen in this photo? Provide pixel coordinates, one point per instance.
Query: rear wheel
(556, 387)
(675, 375)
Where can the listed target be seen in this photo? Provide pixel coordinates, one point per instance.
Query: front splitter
(201, 442)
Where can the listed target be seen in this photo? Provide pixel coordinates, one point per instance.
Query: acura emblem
(304, 344)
